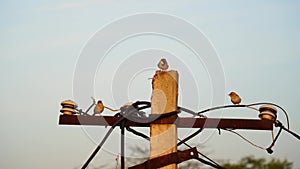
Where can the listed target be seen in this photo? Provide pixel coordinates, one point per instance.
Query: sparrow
(235, 98)
(98, 108)
(163, 64)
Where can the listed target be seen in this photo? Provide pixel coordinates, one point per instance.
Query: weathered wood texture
(163, 137)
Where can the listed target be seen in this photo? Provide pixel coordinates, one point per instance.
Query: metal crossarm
(177, 157)
(181, 122)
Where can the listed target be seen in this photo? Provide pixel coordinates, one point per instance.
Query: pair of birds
(99, 108)
(234, 97)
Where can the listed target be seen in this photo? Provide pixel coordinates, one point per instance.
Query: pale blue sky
(257, 43)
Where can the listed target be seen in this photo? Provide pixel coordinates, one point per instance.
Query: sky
(46, 58)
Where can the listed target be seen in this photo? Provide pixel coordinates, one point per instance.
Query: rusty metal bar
(176, 157)
(181, 122)
(122, 146)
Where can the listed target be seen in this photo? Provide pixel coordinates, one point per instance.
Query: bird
(163, 64)
(235, 98)
(98, 108)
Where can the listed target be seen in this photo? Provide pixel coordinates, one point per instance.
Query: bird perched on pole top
(98, 108)
(235, 98)
(163, 64)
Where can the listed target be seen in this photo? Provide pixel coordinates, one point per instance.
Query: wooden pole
(163, 137)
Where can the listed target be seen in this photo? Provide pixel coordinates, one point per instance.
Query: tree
(250, 162)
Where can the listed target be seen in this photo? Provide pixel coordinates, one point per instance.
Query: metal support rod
(122, 146)
(98, 148)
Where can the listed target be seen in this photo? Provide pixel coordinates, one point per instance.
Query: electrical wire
(101, 143)
(289, 131)
(279, 124)
(220, 107)
(138, 133)
(190, 137)
(211, 163)
(248, 106)
(269, 149)
(186, 144)
(148, 105)
(190, 111)
(113, 110)
(282, 109)
(127, 112)
(244, 138)
(80, 112)
(123, 117)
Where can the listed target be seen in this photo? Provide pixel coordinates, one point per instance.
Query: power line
(247, 106)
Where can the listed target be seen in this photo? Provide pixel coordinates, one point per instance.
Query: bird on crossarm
(98, 108)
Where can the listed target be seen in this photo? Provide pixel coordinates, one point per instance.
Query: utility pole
(163, 137)
(163, 122)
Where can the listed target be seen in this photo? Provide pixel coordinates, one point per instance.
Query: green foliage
(250, 162)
